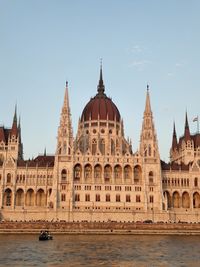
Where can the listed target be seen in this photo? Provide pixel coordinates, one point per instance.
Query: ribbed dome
(100, 107)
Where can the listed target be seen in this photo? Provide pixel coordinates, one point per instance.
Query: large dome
(100, 107)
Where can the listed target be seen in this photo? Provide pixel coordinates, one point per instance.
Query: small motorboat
(45, 235)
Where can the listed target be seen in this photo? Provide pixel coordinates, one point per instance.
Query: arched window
(8, 197)
(102, 146)
(94, 146)
(98, 199)
(149, 151)
(107, 197)
(128, 198)
(150, 177)
(118, 199)
(64, 175)
(88, 172)
(8, 178)
(151, 200)
(77, 172)
(87, 197)
(137, 174)
(112, 147)
(195, 181)
(97, 171)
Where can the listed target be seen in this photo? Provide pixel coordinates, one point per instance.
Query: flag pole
(198, 124)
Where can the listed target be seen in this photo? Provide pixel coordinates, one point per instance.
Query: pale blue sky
(43, 43)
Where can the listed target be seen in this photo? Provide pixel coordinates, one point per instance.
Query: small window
(77, 197)
(98, 198)
(151, 199)
(138, 198)
(8, 178)
(87, 197)
(118, 198)
(128, 198)
(107, 197)
(64, 175)
(63, 197)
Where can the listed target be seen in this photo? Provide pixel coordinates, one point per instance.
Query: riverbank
(100, 228)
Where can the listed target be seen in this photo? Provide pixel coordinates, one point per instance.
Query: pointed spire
(14, 130)
(174, 139)
(187, 129)
(45, 152)
(15, 114)
(66, 97)
(148, 104)
(101, 87)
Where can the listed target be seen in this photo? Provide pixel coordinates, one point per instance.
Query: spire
(65, 134)
(147, 105)
(66, 98)
(101, 87)
(45, 152)
(174, 139)
(20, 139)
(187, 129)
(14, 130)
(148, 138)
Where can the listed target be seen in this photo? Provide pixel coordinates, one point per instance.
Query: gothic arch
(196, 200)
(19, 197)
(127, 173)
(117, 172)
(88, 172)
(8, 197)
(64, 175)
(40, 198)
(8, 178)
(176, 200)
(107, 173)
(77, 172)
(151, 177)
(137, 174)
(97, 172)
(30, 197)
(186, 200)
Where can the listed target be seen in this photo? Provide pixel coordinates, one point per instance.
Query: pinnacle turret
(14, 130)
(187, 129)
(65, 134)
(174, 138)
(148, 139)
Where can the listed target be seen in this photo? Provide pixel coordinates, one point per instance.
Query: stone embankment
(100, 228)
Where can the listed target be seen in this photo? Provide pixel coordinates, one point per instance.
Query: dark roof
(174, 166)
(39, 161)
(100, 107)
(4, 134)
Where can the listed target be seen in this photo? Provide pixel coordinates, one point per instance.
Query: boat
(45, 235)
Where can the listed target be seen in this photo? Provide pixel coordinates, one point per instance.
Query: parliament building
(96, 176)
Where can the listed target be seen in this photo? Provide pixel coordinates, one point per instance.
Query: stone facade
(96, 176)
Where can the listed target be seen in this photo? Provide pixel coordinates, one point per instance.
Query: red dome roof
(100, 107)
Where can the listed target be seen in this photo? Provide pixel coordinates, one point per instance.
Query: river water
(100, 250)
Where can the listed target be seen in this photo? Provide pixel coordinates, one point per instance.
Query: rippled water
(100, 250)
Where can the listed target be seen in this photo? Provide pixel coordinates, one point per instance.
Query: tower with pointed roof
(63, 158)
(150, 159)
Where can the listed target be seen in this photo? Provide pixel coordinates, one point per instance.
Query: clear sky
(44, 43)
